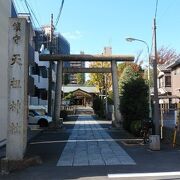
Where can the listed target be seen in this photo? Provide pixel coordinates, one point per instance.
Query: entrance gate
(113, 59)
(17, 85)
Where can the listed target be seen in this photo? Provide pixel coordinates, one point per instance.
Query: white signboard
(17, 88)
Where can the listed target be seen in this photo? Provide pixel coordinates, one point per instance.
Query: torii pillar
(118, 120)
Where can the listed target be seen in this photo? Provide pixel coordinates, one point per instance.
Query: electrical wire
(29, 11)
(59, 14)
(23, 7)
(17, 5)
(170, 5)
(32, 12)
(36, 11)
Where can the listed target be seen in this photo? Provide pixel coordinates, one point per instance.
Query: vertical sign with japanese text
(17, 88)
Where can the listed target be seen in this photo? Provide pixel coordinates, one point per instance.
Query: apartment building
(107, 50)
(39, 71)
(73, 76)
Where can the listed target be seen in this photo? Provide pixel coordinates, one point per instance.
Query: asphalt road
(51, 145)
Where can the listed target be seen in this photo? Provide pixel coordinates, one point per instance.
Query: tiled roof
(174, 64)
(163, 67)
(88, 89)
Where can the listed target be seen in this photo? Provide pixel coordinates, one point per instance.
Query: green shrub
(134, 97)
(126, 124)
(98, 106)
(135, 128)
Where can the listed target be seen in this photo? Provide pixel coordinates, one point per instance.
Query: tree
(167, 55)
(122, 66)
(134, 96)
(88, 83)
(70, 97)
(98, 79)
(66, 79)
(135, 69)
(80, 78)
(146, 76)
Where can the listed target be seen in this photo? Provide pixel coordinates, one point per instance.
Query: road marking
(156, 174)
(82, 140)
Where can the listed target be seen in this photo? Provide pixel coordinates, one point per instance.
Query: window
(161, 83)
(168, 81)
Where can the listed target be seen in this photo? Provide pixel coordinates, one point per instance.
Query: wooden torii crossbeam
(85, 57)
(86, 70)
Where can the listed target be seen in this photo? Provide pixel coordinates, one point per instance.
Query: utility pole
(156, 117)
(50, 70)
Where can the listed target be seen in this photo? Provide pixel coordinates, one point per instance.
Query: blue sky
(90, 25)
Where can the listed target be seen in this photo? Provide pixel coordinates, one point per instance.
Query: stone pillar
(17, 89)
(5, 13)
(57, 105)
(117, 113)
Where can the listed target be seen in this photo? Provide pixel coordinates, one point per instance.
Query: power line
(170, 5)
(17, 5)
(32, 12)
(23, 7)
(29, 11)
(35, 4)
(59, 14)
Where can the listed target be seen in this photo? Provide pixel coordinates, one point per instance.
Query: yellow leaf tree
(100, 80)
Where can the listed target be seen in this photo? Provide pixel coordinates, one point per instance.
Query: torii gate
(85, 57)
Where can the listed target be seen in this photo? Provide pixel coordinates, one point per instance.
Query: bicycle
(146, 131)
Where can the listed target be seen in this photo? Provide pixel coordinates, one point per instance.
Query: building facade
(168, 84)
(80, 94)
(73, 78)
(175, 77)
(39, 71)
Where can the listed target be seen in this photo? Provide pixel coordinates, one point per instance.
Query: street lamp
(149, 98)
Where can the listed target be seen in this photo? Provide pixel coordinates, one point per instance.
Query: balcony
(40, 82)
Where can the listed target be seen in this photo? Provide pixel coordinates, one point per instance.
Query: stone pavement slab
(86, 153)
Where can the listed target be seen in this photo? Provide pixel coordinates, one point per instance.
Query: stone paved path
(89, 144)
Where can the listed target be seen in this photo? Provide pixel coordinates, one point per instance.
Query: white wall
(5, 12)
